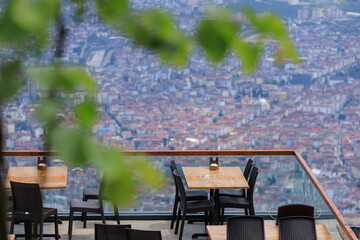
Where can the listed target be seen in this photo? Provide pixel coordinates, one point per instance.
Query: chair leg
(182, 225)
(35, 232)
(12, 225)
(206, 218)
(177, 221)
(173, 217)
(252, 210)
(41, 230)
(70, 224)
(246, 212)
(84, 215)
(222, 216)
(56, 226)
(102, 216)
(116, 211)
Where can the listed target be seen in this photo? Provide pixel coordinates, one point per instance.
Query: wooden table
(204, 178)
(50, 178)
(218, 232)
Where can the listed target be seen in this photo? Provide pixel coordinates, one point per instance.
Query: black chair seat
(228, 202)
(90, 193)
(200, 206)
(78, 205)
(232, 192)
(196, 195)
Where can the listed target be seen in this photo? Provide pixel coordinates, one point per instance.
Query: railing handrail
(350, 234)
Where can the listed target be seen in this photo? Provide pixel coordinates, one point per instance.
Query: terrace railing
(285, 178)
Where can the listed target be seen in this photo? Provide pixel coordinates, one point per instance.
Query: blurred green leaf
(113, 11)
(155, 30)
(216, 33)
(80, 6)
(148, 174)
(271, 25)
(33, 15)
(63, 78)
(120, 185)
(46, 111)
(73, 145)
(10, 80)
(86, 113)
(249, 54)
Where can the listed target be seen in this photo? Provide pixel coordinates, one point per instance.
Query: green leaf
(72, 145)
(155, 30)
(148, 173)
(47, 110)
(113, 11)
(216, 34)
(10, 80)
(270, 25)
(33, 15)
(249, 54)
(86, 113)
(63, 78)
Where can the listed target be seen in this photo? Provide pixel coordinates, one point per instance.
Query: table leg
(217, 207)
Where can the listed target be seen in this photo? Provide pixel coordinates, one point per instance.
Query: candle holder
(214, 163)
(41, 163)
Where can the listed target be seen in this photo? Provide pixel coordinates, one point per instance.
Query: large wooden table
(223, 178)
(50, 178)
(218, 232)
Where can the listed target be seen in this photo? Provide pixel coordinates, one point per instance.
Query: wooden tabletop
(224, 177)
(50, 178)
(218, 232)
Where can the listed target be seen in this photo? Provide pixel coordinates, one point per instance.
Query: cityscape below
(313, 107)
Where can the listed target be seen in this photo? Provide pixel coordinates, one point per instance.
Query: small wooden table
(224, 177)
(218, 232)
(50, 178)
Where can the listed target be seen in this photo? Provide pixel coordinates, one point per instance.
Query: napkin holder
(214, 163)
(41, 163)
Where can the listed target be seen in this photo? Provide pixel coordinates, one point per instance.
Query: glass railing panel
(281, 181)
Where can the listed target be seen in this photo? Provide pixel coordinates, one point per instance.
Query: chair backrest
(111, 232)
(26, 198)
(245, 228)
(136, 234)
(173, 167)
(251, 182)
(291, 210)
(248, 168)
(181, 188)
(297, 228)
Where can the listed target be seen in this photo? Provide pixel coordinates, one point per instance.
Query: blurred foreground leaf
(113, 11)
(155, 30)
(249, 54)
(216, 34)
(72, 144)
(10, 80)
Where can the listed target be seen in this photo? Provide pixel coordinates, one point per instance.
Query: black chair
(291, 210)
(191, 195)
(238, 192)
(28, 206)
(297, 228)
(93, 193)
(245, 228)
(190, 206)
(136, 234)
(111, 232)
(91, 206)
(246, 203)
